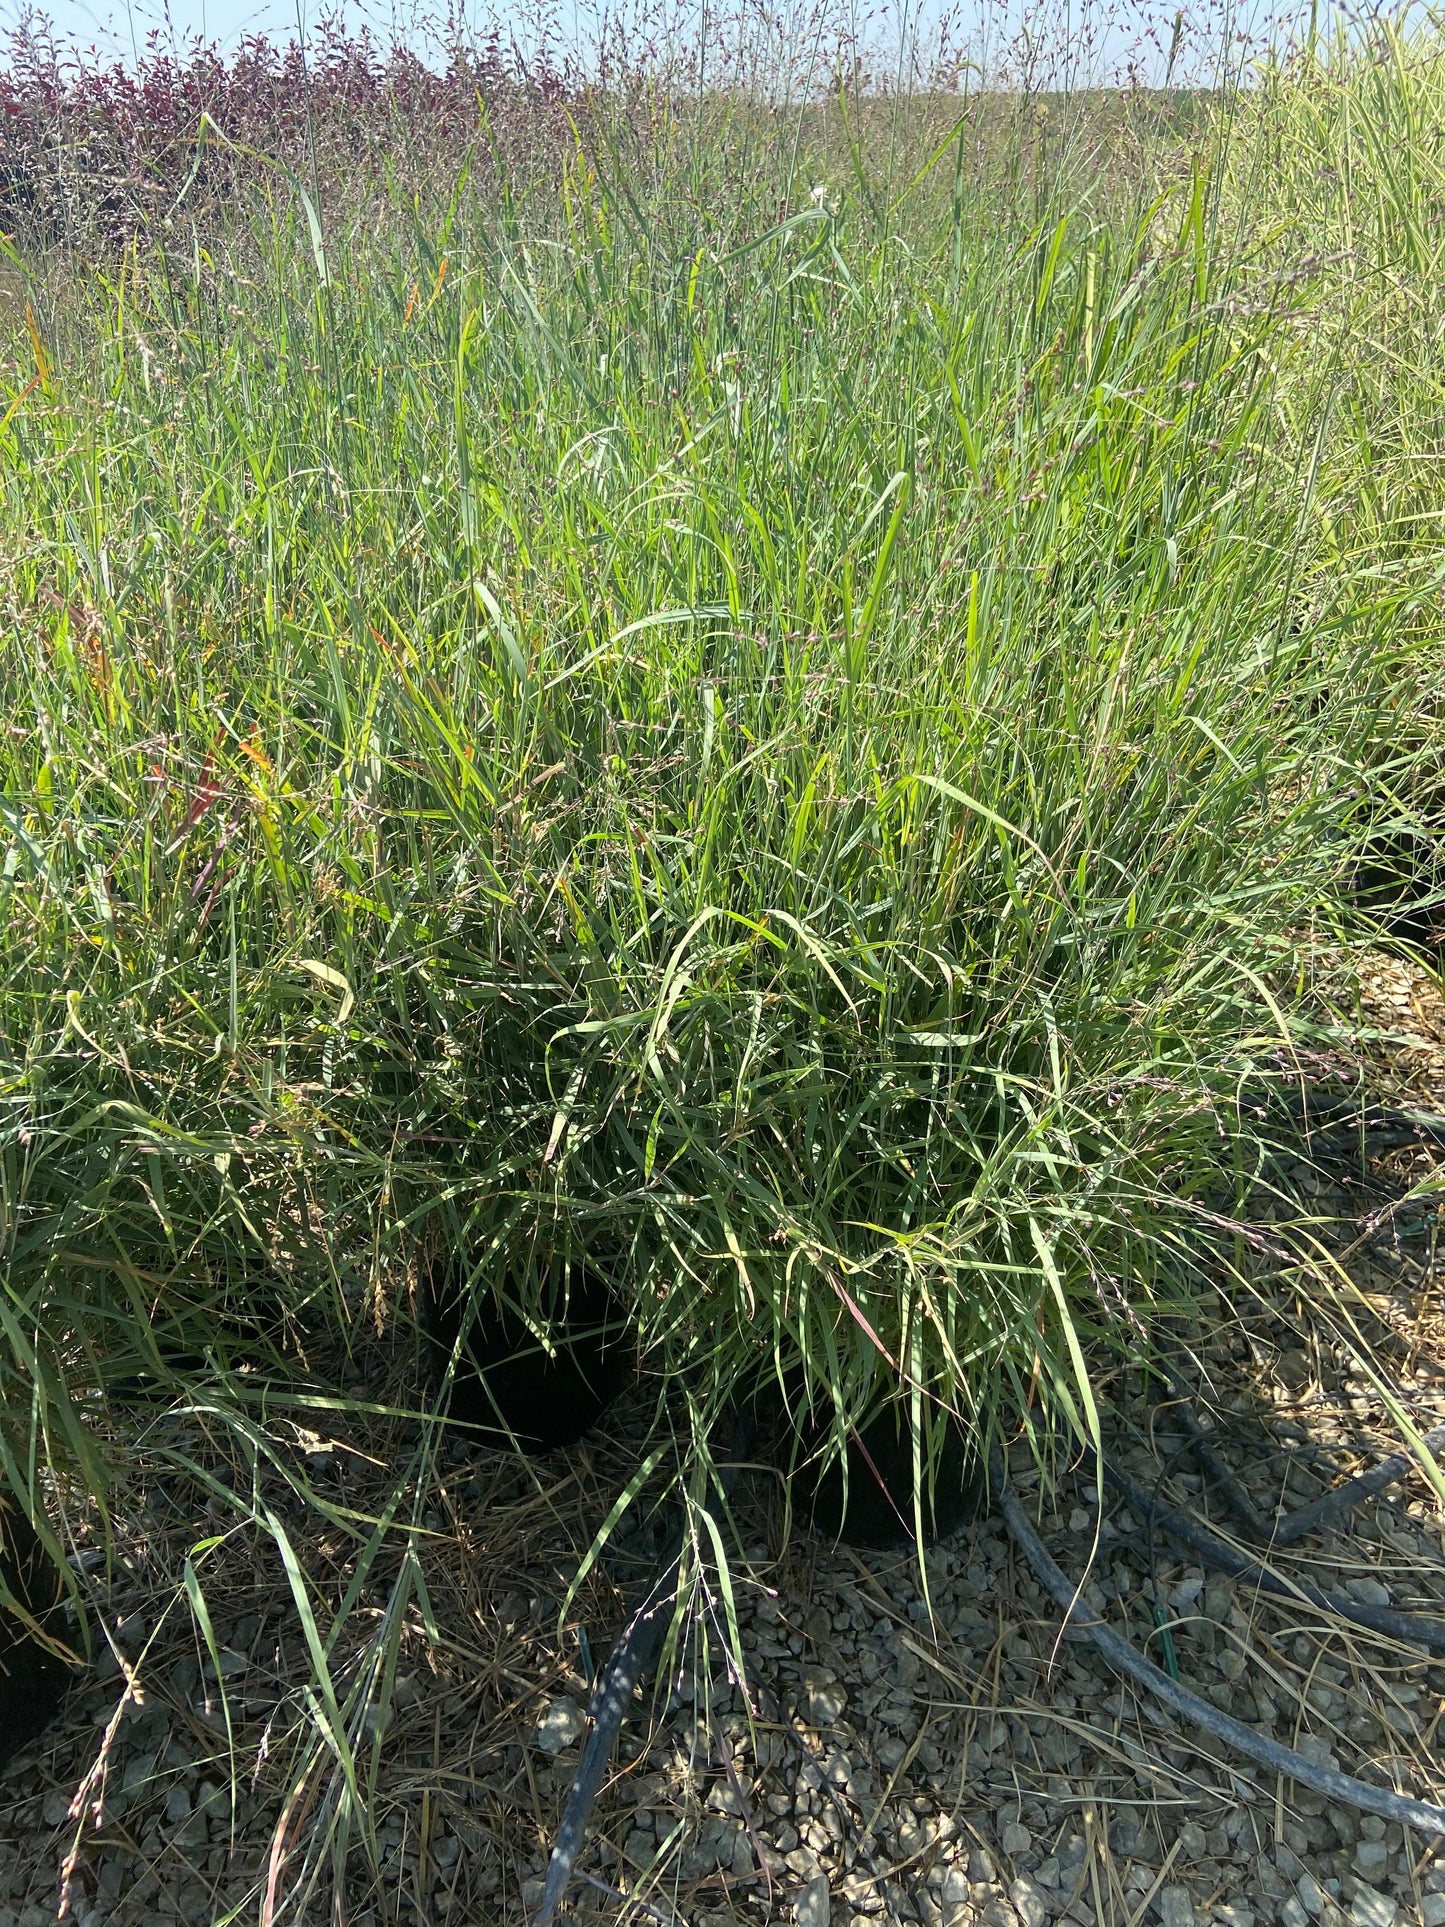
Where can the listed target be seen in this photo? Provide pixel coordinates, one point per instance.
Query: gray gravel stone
(1369, 1592)
(955, 1887)
(1370, 1908)
(813, 1905)
(1175, 1907)
(744, 1860)
(824, 1700)
(1029, 1902)
(138, 1772)
(639, 1846)
(1316, 1901)
(560, 1725)
(1345, 1821)
(1372, 1859)
(1432, 1910)
(1193, 1844)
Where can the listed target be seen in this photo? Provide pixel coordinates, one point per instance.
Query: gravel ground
(934, 1754)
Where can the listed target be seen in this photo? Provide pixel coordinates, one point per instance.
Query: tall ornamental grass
(787, 726)
(1334, 174)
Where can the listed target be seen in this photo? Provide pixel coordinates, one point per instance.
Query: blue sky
(120, 28)
(123, 28)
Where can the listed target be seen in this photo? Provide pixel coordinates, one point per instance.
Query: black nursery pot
(245, 1319)
(1401, 882)
(506, 1385)
(32, 1678)
(877, 1510)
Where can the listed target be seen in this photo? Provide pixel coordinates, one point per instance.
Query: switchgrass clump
(783, 726)
(1335, 174)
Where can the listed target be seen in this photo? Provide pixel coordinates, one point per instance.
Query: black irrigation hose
(1406, 1627)
(1349, 1115)
(637, 1646)
(1388, 1137)
(1382, 1124)
(1324, 1780)
(1306, 1518)
(1210, 1462)
(1344, 1498)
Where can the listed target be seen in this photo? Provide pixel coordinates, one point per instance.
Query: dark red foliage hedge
(90, 148)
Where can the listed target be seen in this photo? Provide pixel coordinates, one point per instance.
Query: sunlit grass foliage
(782, 707)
